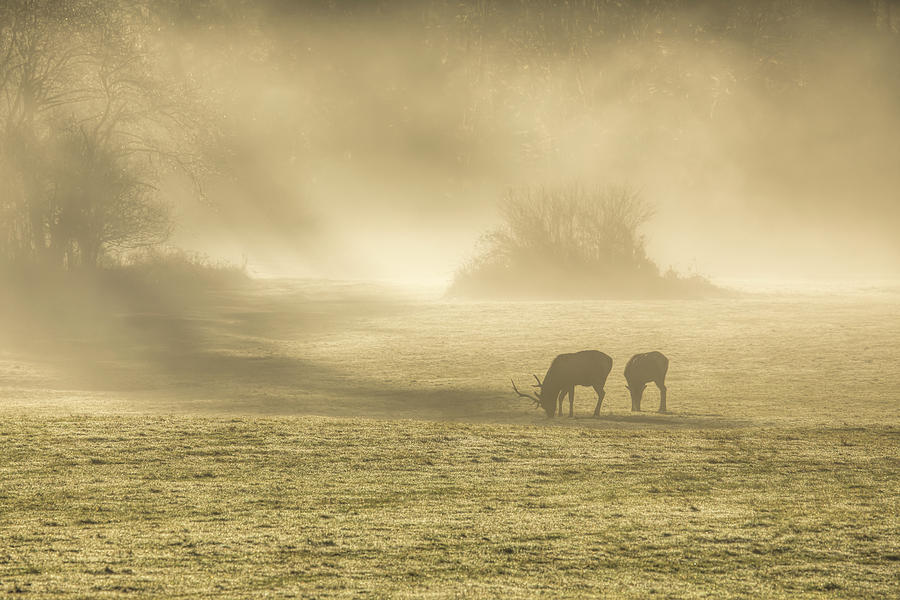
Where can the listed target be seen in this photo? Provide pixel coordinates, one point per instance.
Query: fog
(373, 140)
(279, 280)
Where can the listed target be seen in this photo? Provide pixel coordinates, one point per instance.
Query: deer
(642, 369)
(587, 368)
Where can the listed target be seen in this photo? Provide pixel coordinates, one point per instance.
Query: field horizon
(353, 349)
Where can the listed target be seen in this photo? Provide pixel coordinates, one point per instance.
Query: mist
(373, 141)
(279, 280)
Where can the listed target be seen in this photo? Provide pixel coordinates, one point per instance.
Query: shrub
(166, 281)
(569, 243)
(177, 268)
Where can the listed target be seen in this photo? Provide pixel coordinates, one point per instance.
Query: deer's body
(587, 368)
(641, 370)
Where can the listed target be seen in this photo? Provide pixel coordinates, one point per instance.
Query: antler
(536, 401)
(540, 383)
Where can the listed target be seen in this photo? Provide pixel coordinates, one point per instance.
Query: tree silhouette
(88, 125)
(569, 242)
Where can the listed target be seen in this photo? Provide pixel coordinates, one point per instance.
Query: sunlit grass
(341, 351)
(135, 459)
(301, 507)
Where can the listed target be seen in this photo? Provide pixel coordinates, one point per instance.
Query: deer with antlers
(587, 368)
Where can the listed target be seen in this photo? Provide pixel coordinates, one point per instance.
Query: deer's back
(647, 366)
(580, 368)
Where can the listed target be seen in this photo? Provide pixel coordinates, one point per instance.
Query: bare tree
(100, 202)
(556, 240)
(88, 124)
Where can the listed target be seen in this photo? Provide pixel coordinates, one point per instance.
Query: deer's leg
(662, 396)
(572, 402)
(600, 394)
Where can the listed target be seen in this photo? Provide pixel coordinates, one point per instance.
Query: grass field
(304, 507)
(339, 441)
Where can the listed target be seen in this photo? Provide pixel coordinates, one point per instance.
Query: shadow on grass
(225, 355)
(216, 364)
(189, 376)
(672, 419)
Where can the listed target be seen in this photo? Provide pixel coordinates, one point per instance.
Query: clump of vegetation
(155, 270)
(174, 267)
(80, 304)
(570, 242)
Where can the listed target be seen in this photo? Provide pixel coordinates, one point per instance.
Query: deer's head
(542, 400)
(637, 392)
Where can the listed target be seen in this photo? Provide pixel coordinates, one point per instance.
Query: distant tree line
(570, 242)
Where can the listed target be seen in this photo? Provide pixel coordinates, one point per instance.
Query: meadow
(338, 440)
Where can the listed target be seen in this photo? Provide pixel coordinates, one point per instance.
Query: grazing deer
(643, 368)
(588, 368)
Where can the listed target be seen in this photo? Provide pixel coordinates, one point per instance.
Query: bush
(176, 268)
(570, 243)
(65, 302)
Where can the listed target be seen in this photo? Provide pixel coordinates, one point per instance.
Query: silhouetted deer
(588, 368)
(643, 368)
